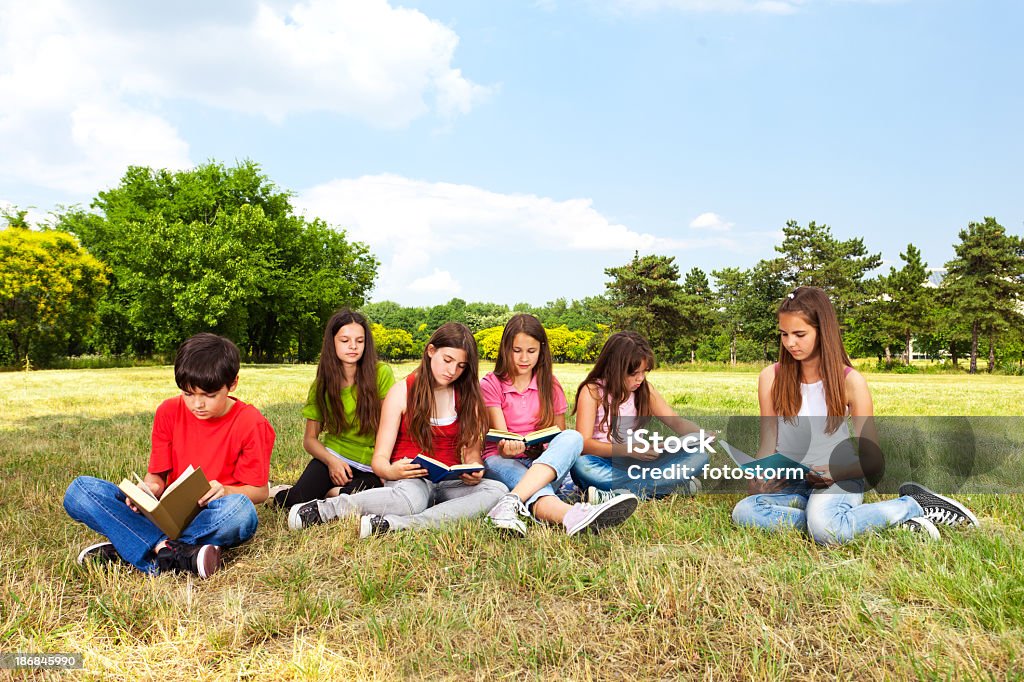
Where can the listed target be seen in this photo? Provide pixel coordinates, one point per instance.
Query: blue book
(439, 471)
(784, 468)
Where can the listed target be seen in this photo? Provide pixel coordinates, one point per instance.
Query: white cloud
(710, 221)
(419, 228)
(438, 282)
(84, 86)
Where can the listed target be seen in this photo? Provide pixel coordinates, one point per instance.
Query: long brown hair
(330, 379)
(504, 368)
(468, 399)
(623, 354)
(812, 304)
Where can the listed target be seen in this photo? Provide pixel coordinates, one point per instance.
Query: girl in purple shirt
(522, 395)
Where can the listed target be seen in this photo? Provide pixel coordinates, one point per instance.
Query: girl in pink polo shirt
(522, 395)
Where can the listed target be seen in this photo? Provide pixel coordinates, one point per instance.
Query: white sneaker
(505, 514)
(595, 496)
(274, 491)
(920, 524)
(592, 518)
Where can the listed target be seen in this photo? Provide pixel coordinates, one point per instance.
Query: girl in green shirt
(342, 413)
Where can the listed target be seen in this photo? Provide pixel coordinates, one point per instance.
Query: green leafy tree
(811, 256)
(645, 295)
(698, 308)
(984, 282)
(909, 300)
(219, 249)
(759, 304)
(393, 344)
(732, 285)
(49, 286)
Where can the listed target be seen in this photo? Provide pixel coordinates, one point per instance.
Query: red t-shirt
(444, 439)
(233, 449)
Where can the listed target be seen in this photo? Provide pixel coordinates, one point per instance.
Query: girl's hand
(648, 456)
(339, 471)
(473, 478)
(511, 448)
(818, 477)
(764, 486)
(216, 491)
(404, 468)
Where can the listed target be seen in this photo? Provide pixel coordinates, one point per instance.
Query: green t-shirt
(357, 447)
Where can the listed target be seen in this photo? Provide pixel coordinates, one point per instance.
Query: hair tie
(791, 295)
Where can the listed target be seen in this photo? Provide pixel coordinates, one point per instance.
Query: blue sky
(510, 151)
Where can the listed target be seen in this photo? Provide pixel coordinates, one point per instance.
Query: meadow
(676, 592)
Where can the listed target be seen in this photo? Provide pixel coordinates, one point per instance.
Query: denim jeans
(416, 502)
(831, 516)
(561, 454)
(656, 478)
(99, 504)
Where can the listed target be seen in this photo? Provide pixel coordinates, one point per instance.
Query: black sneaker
(203, 560)
(101, 551)
(373, 524)
(920, 524)
(304, 515)
(938, 509)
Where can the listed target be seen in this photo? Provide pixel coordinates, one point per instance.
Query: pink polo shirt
(521, 410)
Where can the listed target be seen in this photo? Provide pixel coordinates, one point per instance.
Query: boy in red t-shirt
(203, 427)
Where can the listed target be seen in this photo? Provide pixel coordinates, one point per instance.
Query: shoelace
(175, 558)
(940, 515)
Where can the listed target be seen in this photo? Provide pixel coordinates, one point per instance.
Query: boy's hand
(155, 485)
(510, 448)
(339, 471)
(404, 468)
(216, 491)
(473, 478)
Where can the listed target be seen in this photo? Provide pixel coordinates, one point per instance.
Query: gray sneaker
(920, 524)
(595, 496)
(592, 518)
(275, 490)
(938, 509)
(505, 515)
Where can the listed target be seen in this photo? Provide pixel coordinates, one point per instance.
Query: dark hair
(420, 401)
(206, 362)
(523, 323)
(330, 379)
(814, 306)
(623, 354)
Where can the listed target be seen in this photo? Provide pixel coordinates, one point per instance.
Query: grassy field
(677, 592)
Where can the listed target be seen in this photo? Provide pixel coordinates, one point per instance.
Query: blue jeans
(656, 478)
(561, 454)
(99, 504)
(831, 516)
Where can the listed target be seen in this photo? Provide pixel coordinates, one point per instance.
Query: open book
(178, 505)
(532, 438)
(782, 467)
(439, 471)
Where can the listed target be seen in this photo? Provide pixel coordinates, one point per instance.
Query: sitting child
(203, 427)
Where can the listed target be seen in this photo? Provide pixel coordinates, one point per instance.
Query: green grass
(677, 592)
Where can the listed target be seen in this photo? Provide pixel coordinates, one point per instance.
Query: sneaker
(595, 496)
(920, 524)
(304, 515)
(203, 560)
(373, 524)
(592, 518)
(505, 515)
(939, 509)
(102, 551)
(693, 486)
(276, 490)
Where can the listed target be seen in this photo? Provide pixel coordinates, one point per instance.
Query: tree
(218, 249)
(984, 282)
(909, 300)
(698, 308)
(49, 286)
(645, 295)
(813, 257)
(731, 287)
(759, 306)
(393, 344)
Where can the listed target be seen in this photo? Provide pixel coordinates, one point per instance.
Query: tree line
(166, 254)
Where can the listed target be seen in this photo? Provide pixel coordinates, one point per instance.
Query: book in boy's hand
(537, 437)
(176, 507)
(439, 471)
